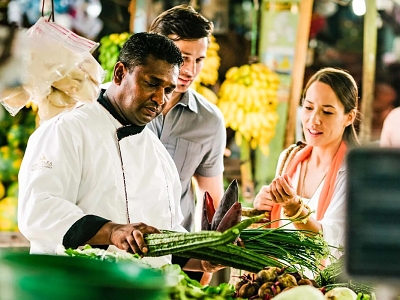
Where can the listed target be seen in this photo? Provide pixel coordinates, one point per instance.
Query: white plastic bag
(61, 70)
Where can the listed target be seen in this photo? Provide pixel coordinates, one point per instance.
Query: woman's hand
(263, 200)
(282, 191)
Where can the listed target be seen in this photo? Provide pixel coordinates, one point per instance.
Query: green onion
(298, 248)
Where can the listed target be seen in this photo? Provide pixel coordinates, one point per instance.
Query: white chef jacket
(75, 166)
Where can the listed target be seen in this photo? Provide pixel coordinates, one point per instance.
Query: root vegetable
(239, 284)
(305, 282)
(268, 289)
(247, 290)
(287, 280)
(300, 293)
(267, 275)
(296, 275)
(341, 293)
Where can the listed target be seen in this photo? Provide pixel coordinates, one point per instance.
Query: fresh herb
(297, 248)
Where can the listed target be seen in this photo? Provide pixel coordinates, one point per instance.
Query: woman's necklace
(303, 186)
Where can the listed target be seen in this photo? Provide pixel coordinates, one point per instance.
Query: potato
(300, 292)
(60, 99)
(53, 104)
(78, 85)
(92, 68)
(72, 82)
(341, 293)
(267, 275)
(15, 97)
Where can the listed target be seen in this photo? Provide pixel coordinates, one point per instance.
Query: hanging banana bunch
(110, 45)
(209, 73)
(248, 101)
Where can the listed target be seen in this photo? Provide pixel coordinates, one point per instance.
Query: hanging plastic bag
(61, 70)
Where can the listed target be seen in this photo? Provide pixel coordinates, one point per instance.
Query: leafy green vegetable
(101, 254)
(183, 288)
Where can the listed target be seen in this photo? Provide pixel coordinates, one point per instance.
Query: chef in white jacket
(96, 175)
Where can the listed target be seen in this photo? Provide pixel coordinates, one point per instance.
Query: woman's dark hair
(182, 22)
(140, 46)
(346, 90)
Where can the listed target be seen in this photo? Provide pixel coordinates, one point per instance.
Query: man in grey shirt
(191, 128)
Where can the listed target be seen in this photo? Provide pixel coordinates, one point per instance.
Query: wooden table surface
(15, 239)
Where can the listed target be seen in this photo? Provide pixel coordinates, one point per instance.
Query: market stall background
(246, 33)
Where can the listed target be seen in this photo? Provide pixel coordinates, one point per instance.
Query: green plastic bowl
(26, 276)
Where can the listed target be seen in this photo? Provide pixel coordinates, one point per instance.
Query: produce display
(276, 257)
(248, 101)
(180, 286)
(14, 134)
(333, 276)
(110, 46)
(267, 283)
(279, 283)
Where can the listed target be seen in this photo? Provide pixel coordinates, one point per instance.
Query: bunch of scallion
(298, 249)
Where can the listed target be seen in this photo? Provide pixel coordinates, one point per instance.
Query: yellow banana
(208, 94)
(231, 73)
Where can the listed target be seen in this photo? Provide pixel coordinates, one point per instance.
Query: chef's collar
(127, 129)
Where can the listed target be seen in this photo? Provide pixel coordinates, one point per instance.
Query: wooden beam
(132, 12)
(299, 64)
(369, 66)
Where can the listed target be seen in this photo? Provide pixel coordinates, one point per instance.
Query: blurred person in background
(383, 103)
(390, 136)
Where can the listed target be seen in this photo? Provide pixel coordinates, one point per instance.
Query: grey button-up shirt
(194, 134)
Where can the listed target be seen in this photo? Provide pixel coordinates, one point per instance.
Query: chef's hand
(129, 237)
(263, 200)
(282, 191)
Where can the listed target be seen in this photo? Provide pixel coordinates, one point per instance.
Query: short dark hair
(184, 22)
(346, 90)
(140, 46)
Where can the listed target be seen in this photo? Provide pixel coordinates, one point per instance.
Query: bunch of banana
(212, 62)
(248, 101)
(209, 73)
(110, 45)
